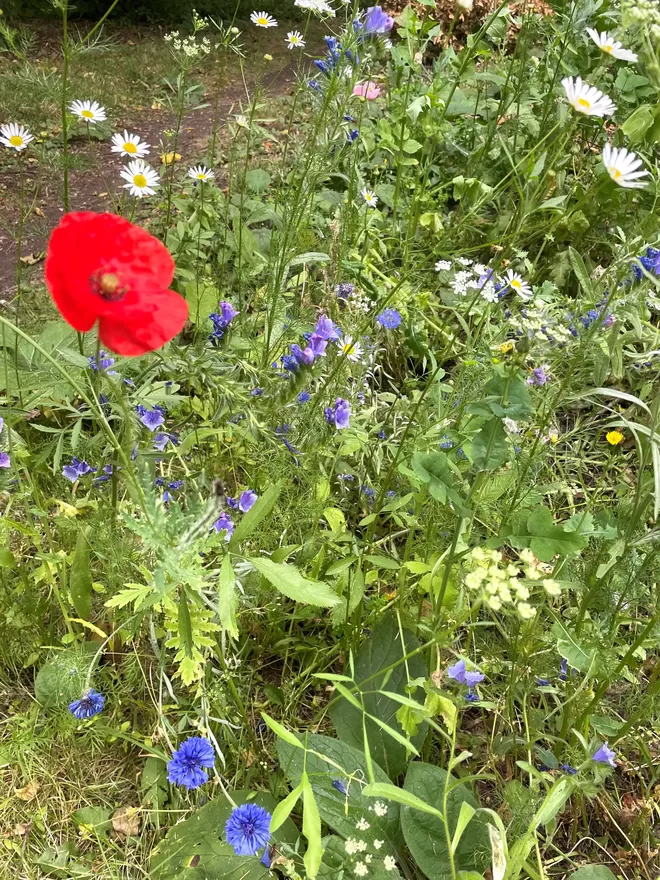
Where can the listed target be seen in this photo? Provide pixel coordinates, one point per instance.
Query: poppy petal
(148, 325)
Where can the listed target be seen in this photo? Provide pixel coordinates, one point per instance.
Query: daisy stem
(63, 110)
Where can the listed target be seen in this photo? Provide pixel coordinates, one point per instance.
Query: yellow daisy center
(262, 20)
(584, 103)
(201, 176)
(515, 283)
(16, 140)
(140, 180)
(348, 348)
(129, 147)
(616, 174)
(87, 114)
(608, 48)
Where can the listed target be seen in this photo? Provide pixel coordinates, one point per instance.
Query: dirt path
(94, 181)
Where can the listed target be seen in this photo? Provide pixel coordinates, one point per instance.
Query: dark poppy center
(108, 286)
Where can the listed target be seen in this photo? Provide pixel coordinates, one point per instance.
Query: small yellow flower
(507, 346)
(268, 57)
(614, 438)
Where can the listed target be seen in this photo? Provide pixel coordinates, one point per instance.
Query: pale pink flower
(368, 90)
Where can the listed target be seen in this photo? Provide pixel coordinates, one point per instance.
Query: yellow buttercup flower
(507, 346)
(614, 438)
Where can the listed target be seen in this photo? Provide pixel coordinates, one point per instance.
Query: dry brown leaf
(126, 821)
(20, 830)
(38, 212)
(31, 259)
(29, 791)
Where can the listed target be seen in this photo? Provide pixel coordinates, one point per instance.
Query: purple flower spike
(224, 524)
(378, 21)
(151, 418)
(327, 329)
(342, 413)
(4, 460)
(604, 755)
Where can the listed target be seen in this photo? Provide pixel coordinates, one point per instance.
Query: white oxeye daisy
(370, 197)
(263, 19)
(587, 99)
(294, 40)
(518, 284)
(622, 165)
(142, 179)
(351, 350)
(610, 46)
(88, 111)
(15, 136)
(129, 145)
(200, 172)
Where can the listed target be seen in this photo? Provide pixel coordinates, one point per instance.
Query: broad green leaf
(429, 837)
(196, 847)
(255, 515)
(281, 731)
(490, 448)
(288, 580)
(548, 539)
(257, 179)
(283, 810)
(635, 128)
(154, 787)
(63, 678)
(569, 647)
(326, 761)
(382, 650)
(311, 829)
(96, 820)
(593, 872)
(466, 814)
(80, 578)
(577, 264)
(434, 469)
(227, 598)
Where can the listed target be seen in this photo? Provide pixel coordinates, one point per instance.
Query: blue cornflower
(225, 524)
(88, 706)
(77, 469)
(377, 21)
(460, 674)
(304, 396)
(604, 755)
(188, 762)
(390, 319)
(248, 829)
(568, 769)
(246, 500)
(257, 392)
(151, 418)
(104, 363)
(339, 785)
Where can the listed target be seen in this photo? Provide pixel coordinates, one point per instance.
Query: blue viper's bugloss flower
(189, 763)
(338, 415)
(650, 261)
(390, 319)
(161, 440)
(103, 363)
(257, 392)
(543, 682)
(563, 669)
(108, 471)
(225, 524)
(248, 829)
(151, 418)
(460, 674)
(382, 435)
(377, 21)
(339, 785)
(246, 500)
(352, 135)
(472, 696)
(5, 461)
(77, 469)
(327, 329)
(538, 377)
(604, 755)
(445, 442)
(233, 503)
(289, 362)
(568, 769)
(88, 706)
(304, 396)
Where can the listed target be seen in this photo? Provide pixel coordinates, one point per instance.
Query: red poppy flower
(100, 267)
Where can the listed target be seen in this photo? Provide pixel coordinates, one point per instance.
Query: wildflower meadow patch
(329, 458)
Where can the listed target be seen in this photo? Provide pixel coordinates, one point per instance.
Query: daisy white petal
(263, 19)
(294, 40)
(129, 145)
(518, 284)
(15, 136)
(606, 43)
(200, 172)
(370, 197)
(586, 99)
(89, 111)
(622, 165)
(142, 179)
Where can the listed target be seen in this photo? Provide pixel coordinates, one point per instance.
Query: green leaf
(227, 598)
(400, 796)
(97, 820)
(255, 515)
(637, 124)
(6, 558)
(281, 732)
(311, 829)
(593, 872)
(382, 650)
(257, 179)
(283, 810)
(185, 626)
(435, 469)
(63, 678)
(80, 578)
(288, 580)
(326, 760)
(428, 837)
(196, 847)
(549, 539)
(577, 264)
(489, 447)
(569, 647)
(154, 788)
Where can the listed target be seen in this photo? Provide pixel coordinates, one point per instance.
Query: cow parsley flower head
(248, 829)
(318, 7)
(443, 266)
(88, 706)
(189, 763)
